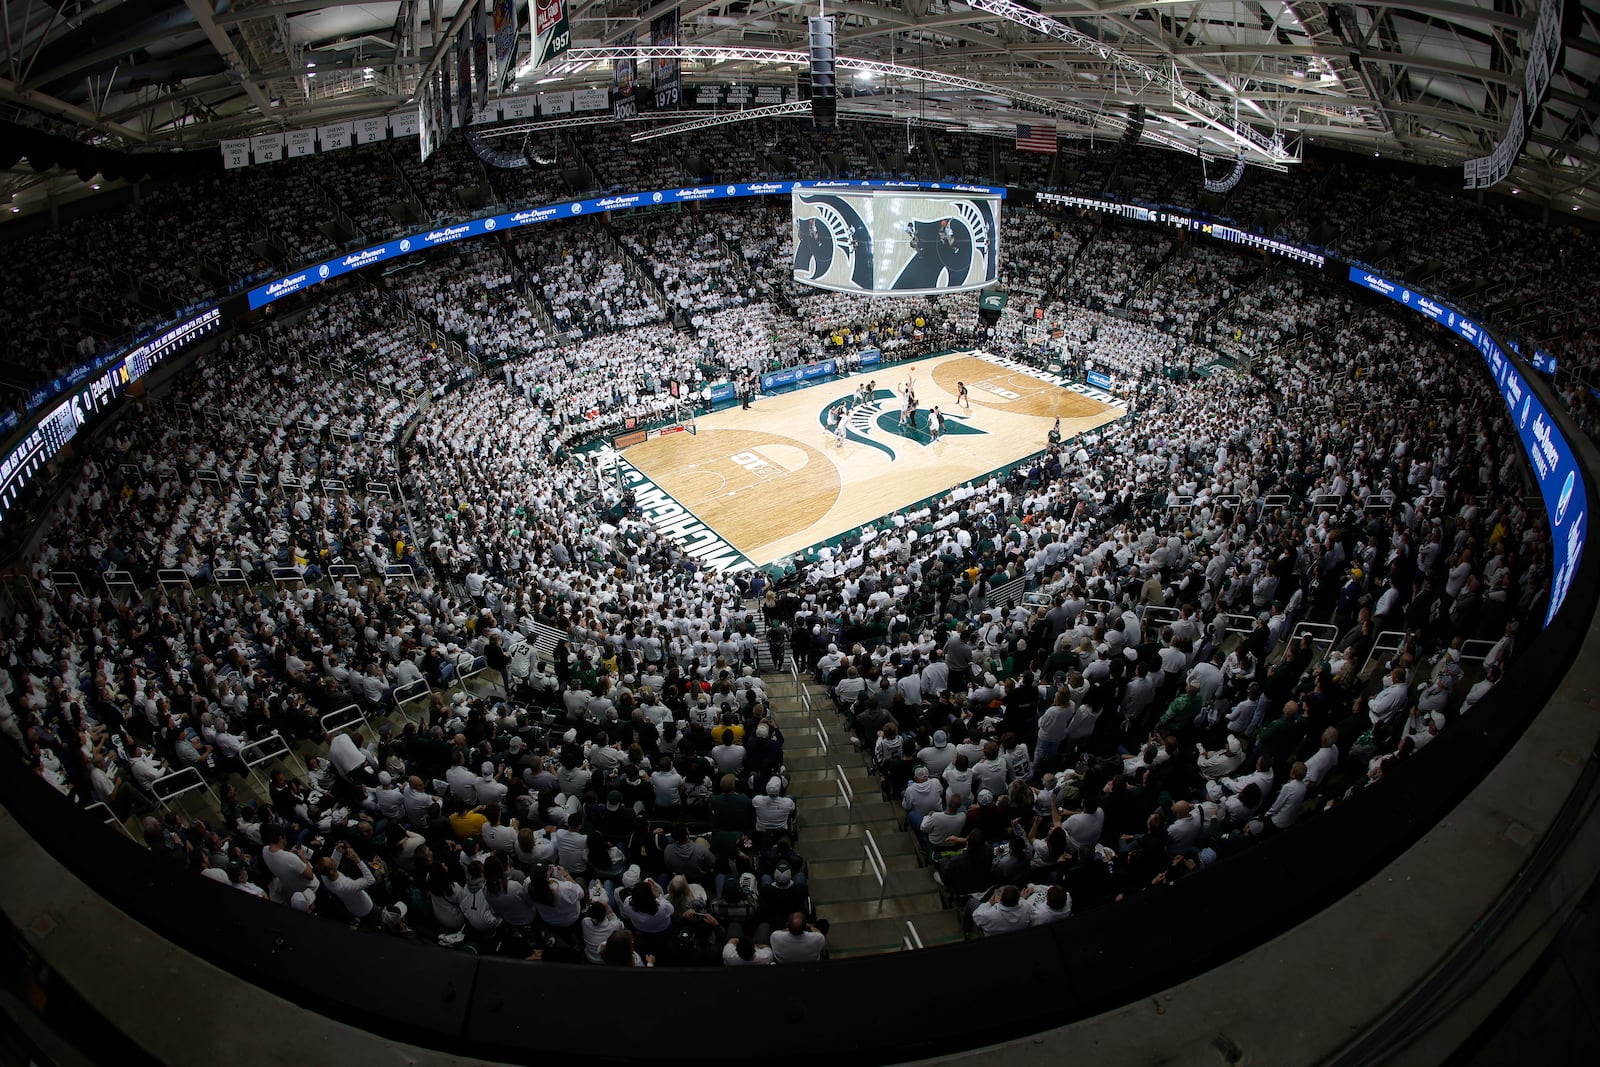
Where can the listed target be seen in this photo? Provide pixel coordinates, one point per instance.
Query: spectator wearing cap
(1224, 761)
(922, 796)
(615, 817)
(1391, 701)
(388, 801)
(488, 789)
(985, 814)
(783, 895)
(774, 811)
(937, 755)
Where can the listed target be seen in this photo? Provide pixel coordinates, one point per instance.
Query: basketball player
(935, 423)
(838, 429)
(962, 400)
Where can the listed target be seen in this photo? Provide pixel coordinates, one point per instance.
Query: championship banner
(443, 113)
(480, 56)
(507, 45)
(425, 119)
(551, 33)
(463, 99)
(624, 78)
(664, 73)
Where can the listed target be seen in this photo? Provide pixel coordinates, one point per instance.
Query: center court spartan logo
(881, 416)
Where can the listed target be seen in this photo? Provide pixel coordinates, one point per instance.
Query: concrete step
(812, 834)
(855, 774)
(829, 893)
(848, 849)
(853, 911)
(866, 937)
(825, 870)
(815, 761)
(822, 812)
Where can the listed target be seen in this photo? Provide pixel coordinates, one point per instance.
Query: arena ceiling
(1433, 81)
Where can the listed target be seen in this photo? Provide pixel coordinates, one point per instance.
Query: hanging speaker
(824, 87)
(1135, 130)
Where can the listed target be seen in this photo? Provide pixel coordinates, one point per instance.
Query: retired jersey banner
(507, 44)
(268, 148)
(664, 73)
(552, 35)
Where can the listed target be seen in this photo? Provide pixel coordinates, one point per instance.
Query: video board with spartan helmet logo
(893, 243)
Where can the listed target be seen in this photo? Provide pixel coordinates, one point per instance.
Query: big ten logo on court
(756, 465)
(997, 390)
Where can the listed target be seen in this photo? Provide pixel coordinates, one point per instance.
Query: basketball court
(775, 480)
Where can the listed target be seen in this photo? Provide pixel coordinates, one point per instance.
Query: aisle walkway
(872, 906)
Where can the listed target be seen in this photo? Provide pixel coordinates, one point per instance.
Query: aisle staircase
(865, 878)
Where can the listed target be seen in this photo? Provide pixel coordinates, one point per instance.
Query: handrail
(115, 579)
(344, 718)
(822, 736)
(1383, 643)
(270, 747)
(179, 782)
(870, 856)
(413, 691)
(911, 940)
(111, 819)
(846, 793)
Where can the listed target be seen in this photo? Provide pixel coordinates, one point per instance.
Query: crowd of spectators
(1430, 236)
(1158, 707)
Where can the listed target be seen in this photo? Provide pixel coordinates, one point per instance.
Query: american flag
(1036, 138)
